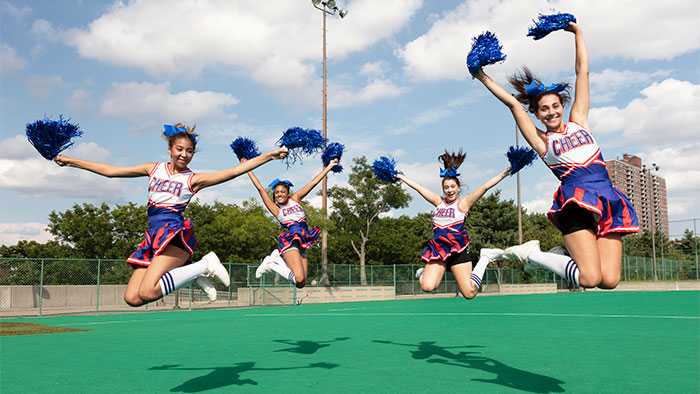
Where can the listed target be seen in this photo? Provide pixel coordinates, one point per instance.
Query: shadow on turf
(306, 347)
(225, 376)
(505, 375)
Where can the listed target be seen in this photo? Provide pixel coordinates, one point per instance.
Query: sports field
(576, 342)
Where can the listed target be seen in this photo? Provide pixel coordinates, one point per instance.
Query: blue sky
(397, 85)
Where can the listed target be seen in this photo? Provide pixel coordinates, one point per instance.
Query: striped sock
(479, 270)
(180, 276)
(564, 266)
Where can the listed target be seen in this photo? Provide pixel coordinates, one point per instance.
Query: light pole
(517, 186)
(327, 7)
(650, 192)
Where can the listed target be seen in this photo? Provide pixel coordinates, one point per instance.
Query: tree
(88, 228)
(357, 208)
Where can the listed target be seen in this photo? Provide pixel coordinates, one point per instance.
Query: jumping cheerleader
(590, 213)
(160, 261)
(448, 248)
(289, 259)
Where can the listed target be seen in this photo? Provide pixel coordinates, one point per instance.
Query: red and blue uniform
(296, 232)
(169, 193)
(575, 159)
(450, 235)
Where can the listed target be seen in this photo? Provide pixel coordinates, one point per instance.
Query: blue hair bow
(535, 88)
(277, 181)
(171, 131)
(449, 172)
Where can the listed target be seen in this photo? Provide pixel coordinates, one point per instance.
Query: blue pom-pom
(245, 148)
(519, 157)
(334, 150)
(546, 24)
(486, 49)
(301, 142)
(51, 137)
(384, 168)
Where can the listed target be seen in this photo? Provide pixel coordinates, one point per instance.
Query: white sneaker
(521, 252)
(207, 286)
(264, 267)
(419, 272)
(216, 269)
(491, 254)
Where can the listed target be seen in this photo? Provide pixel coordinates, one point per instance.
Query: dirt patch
(13, 328)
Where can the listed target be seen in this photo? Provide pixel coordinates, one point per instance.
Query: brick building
(646, 190)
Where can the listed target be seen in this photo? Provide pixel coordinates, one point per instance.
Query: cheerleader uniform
(586, 199)
(168, 195)
(297, 233)
(450, 237)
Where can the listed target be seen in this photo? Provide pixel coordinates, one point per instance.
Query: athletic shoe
(492, 254)
(264, 267)
(520, 252)
(216, 269)
(207, 286)
(419, 272)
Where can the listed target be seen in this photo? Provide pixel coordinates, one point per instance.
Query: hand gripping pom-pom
(334, 150)
(301, 142)
(384, 168)
(519, 157)
(546, 24)
(51, 137)
(245, 148)
(485, 50)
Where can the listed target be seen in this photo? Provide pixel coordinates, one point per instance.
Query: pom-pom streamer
(546, 24)
(51, 137)
(486, 49)
(245, 148)
(449, 172)
(334, 150)
(384, 168)
(278, 181)
(301, 142)
(519, 157)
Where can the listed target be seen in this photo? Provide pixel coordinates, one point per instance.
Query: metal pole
(394, 278)
(695, 238)
(653, 225)
(41, 289)
(517, 183)
(97, 297)
(229, 284)
(324, 186)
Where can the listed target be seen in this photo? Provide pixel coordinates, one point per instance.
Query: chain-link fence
(38, 286)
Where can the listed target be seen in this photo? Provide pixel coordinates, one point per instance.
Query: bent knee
(469, 294)
(300, 284)
(589, 279)
(149, 295)
(427, 287)
(609, 282)
(133, 299)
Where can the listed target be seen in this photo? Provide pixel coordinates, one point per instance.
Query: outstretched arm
(206, 179)
(473, 197)
(579, 109)
(301, 193)
(525, 123)
(269, 204)
(427, 194)
(107, 170)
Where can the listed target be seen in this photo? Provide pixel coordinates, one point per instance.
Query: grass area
(575, 342)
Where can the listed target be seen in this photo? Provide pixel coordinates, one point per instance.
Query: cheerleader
(160, 262)
(448, 248)
(289, 259)
(590, 213)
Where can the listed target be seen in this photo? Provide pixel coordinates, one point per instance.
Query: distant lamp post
(327, 7)
(650, 191)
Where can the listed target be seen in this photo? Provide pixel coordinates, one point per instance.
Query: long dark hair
(523, 78)
(452, 160)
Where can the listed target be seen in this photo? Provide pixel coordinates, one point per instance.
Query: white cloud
(375, 90)
(45, 30)
(42, 86)
(80, 100)
(678, 166)
(373, 69)
(15, 148)
(667, 109)
(136, 101)
(33, 175)
(543, 189)
(11, 233)
(649, 30)
(13, 11)
(9, 60)
(435, 114)
(277, 43)
(606, 84)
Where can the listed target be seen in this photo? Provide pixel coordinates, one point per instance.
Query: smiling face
(550, 111)
(181, 151)
(281, 194)
(450, 189)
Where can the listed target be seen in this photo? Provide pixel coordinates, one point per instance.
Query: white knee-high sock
(563, 266)
(281, 268)
(479, 270)
(180, 276)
